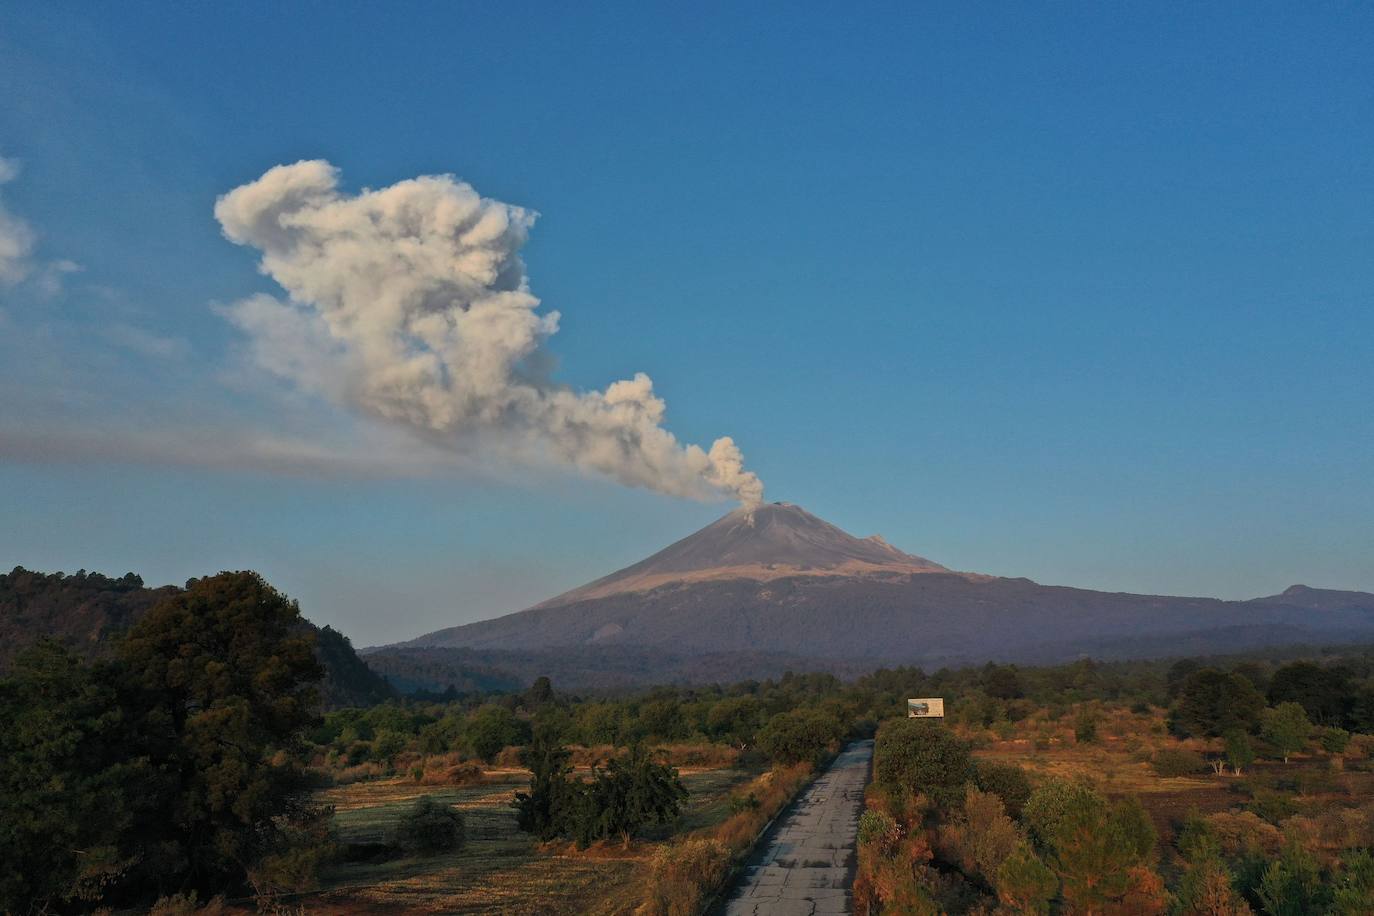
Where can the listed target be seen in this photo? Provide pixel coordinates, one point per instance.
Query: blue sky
(1078, 292)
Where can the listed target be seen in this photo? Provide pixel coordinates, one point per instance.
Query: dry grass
(499, 870)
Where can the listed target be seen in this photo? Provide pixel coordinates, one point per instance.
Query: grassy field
(499, 869)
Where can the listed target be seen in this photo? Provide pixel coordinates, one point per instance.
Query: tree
(540, 692)
(60, 761)
(1178, 673)
(541, 810)
(1240, 753)
(1354, 889)
(429, 828)
(1323, 693)
(1002, 682)
(600, 723)
(222, 678)
(798, 735)
(1212, 702)
(1287, 728)
(1097, 849)
(662, 719)
(1206, 889)
(492, 728)
(735, 720)
(1335, 741)
(1292, 884)
(633, 791)
(1024, 883)
(629, 793)
(917, 755)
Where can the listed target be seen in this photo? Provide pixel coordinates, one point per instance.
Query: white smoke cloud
(410, 304)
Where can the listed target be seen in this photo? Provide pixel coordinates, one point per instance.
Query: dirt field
(499, 869)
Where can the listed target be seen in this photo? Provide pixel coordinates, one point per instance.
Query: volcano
(777, 580)
(760, 544)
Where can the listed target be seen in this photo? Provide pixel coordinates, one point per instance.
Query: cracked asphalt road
(806, 866)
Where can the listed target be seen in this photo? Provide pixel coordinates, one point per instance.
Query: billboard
(926, 708)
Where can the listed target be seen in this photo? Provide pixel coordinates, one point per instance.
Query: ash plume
(410, 304)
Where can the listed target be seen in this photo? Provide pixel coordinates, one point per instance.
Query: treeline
(763, 717)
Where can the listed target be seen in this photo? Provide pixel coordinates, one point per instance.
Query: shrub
(918, 755)
(682, 875)
(982, 836)
(429, 828)
(459, 774)
(1085, 727)
(799, 735)
(1024, 883)
(1206, 888)
(1170, 762)
(1274, 807)
(1005, 780)
(1335, 740)
(1049, 805)
(1244, 833)
(741, 803)
(879, 829)
(186, 904)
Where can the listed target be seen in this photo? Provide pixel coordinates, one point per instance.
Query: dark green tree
(1324, 693)
(540, 692)
(61, 761)
(632, 792)
(1292, 884)
(544, 809)
(222, 677)
(1211, 703)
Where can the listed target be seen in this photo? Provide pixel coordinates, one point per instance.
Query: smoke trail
(410, 303)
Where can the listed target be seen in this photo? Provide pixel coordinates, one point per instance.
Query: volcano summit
(776, 579)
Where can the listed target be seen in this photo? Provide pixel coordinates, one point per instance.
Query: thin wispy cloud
(17, 238)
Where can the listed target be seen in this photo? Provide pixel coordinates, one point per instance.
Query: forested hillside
(86, 612)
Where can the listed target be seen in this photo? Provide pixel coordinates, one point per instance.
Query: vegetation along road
(806, 864)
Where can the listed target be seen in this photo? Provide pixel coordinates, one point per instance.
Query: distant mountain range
(85, 612)
(777, 586)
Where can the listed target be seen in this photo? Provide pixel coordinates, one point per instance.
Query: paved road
(806, 866)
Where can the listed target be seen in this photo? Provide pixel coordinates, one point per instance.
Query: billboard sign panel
(926, 708)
